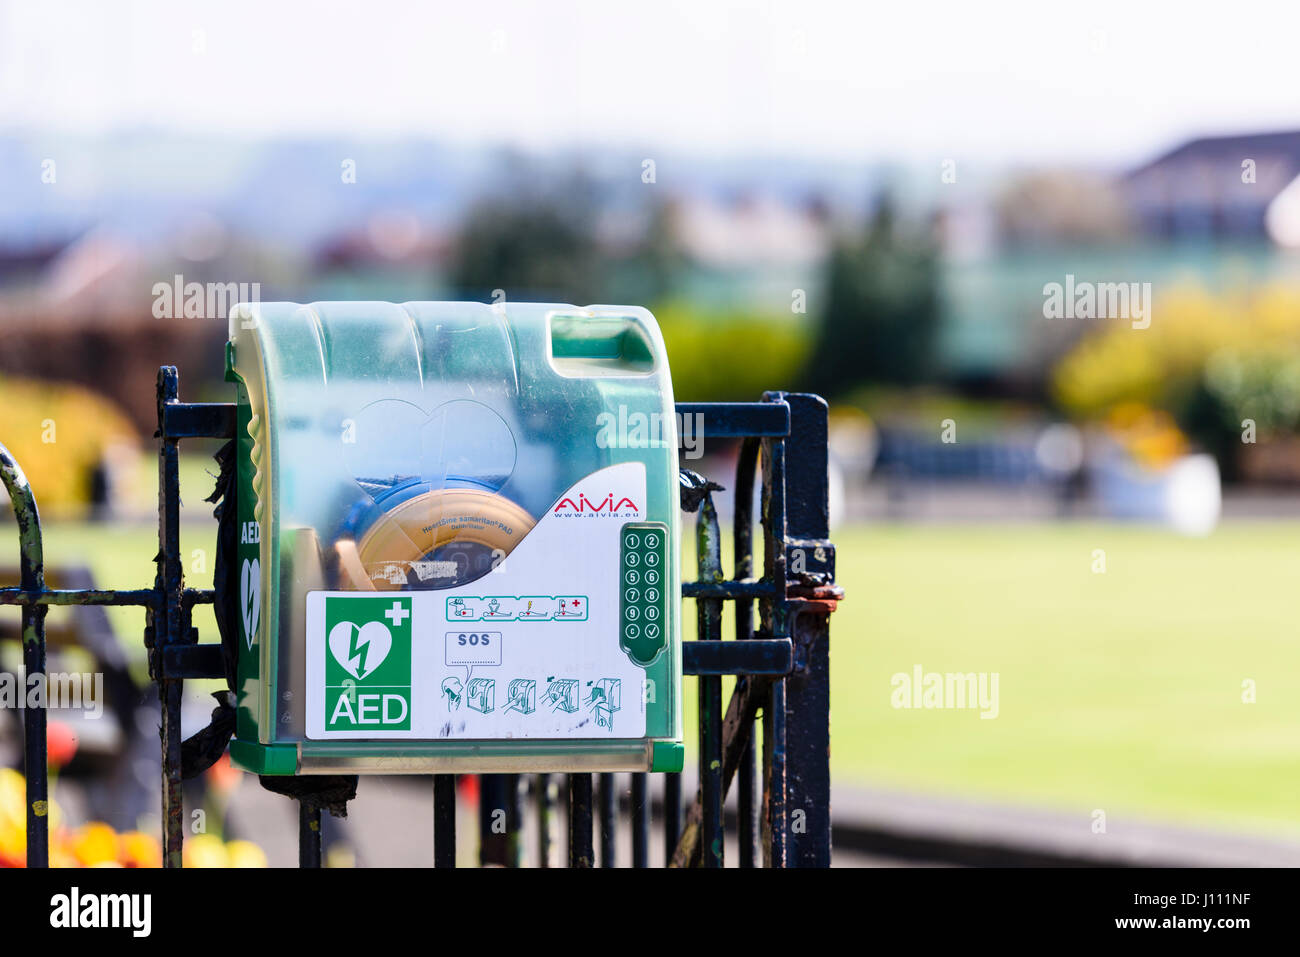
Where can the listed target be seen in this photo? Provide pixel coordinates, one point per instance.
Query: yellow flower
(13, 794)
(205, 850)
(95, 843)
(245, 854)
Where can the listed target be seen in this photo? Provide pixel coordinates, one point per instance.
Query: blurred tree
(1213, 362)
(645, 262)
(882, 309)
(533, 245)
(660, 253)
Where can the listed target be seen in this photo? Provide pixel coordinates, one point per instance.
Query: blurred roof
(1215, 186)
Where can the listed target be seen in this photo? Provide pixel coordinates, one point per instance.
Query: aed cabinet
(459, 539)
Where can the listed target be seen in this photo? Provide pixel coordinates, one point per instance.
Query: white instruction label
(530, 650)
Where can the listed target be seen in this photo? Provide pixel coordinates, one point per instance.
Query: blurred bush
(882, 308)
(722, 356)
(1210, 361)
(60, 435)
(542, 250)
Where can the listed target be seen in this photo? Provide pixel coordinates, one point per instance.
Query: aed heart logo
(360, 650)
(368, 662)
(250, 598)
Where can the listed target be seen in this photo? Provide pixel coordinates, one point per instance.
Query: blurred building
(1221, 188)
(1220, 212)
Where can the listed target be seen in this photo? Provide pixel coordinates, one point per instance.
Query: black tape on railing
(721, 420)
(754, 656)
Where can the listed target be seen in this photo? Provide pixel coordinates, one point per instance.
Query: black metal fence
(781, 664)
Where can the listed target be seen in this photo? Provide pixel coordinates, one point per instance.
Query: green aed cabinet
(458, 539)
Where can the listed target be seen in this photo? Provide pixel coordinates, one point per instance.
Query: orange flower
(139, 850)
(60, 743)
(223, 776)
(95, 843)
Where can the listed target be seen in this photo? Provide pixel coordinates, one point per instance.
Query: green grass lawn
(1120, 691)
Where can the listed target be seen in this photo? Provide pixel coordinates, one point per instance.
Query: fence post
(166, 620)
(810, 576)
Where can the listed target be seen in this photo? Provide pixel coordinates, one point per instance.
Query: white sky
(1090, 82)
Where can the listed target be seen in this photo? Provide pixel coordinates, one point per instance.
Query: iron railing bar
(608, 801)
(580, 850)
(496, 819)
(640, 821)
(721, 420)
(742, 535)
(32, 579)
(747, 823)
(748, 696)
(514, 820)
(743, 557)
(772, 621)
(811, 597)
(142, 597)
(309, 835)
(709, 618)
(672, 814)
(198, 420)
(166, 618)
(542, 799)
(774, 768)
(78, 596)
(564, 801)
(735, 590)
(444, 820)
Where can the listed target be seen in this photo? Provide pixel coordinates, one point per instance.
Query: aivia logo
(368, 665)
(622, 507)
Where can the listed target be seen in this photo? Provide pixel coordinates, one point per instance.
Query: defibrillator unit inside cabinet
(459, 539)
